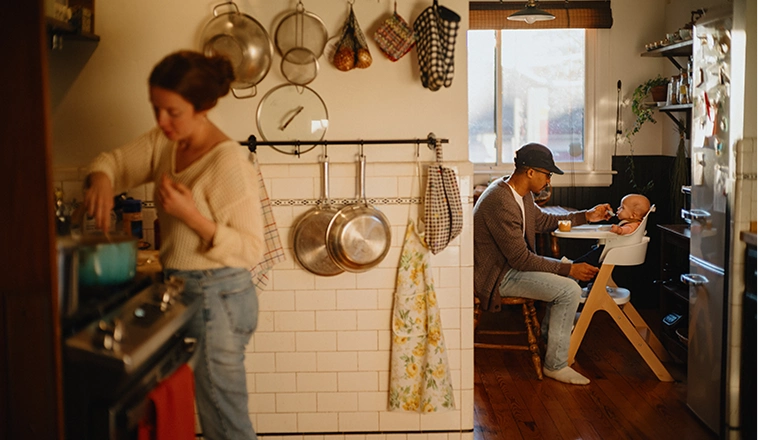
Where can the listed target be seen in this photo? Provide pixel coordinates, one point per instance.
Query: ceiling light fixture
(531, 13)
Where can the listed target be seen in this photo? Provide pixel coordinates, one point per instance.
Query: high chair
(627, 250)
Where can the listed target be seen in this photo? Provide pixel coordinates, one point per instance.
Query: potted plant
(643, 112)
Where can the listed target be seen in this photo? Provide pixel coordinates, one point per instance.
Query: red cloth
(174, 409)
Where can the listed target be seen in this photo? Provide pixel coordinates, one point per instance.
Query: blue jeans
(222, 328)
(562, 296)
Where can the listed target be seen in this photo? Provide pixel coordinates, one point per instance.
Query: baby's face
(625, 211)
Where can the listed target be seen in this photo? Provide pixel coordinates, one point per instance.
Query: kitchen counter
(748, 237)
(148, 263)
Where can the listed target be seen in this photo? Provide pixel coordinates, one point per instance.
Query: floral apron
(419, 372)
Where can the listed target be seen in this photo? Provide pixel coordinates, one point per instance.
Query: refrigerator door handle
(693, 279)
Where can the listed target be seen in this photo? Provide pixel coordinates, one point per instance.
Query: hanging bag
(443, 211)
(352, 48)
(436, 30)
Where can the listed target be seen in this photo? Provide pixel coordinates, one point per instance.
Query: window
(529, 86)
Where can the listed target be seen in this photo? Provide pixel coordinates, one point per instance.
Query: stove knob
(166, 300)
(109, 334)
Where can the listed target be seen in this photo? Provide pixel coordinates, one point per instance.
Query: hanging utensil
(309, 239)
(301, 29)
(359, 235)
(245, 42)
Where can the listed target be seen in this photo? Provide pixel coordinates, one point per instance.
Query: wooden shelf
(63, 29)
(676, 108)
(680, 49)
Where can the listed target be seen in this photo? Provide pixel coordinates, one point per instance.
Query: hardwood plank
(624, 399)
(499, 400)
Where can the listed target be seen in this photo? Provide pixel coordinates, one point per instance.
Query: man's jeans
(562, 296)
(223, 328)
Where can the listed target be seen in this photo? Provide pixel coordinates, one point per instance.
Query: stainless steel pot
(359, 236)
(243, 40)
(309, 240)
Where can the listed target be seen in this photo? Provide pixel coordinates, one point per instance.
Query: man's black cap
(536, 155)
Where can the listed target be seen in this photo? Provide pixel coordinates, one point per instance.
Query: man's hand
(599, 213)
(583, 271)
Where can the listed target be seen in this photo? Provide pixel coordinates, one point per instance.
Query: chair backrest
(627, 240)
(630, 255)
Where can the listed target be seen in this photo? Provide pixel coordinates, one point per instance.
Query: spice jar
(132, 217)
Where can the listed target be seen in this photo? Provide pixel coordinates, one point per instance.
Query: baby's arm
(625, 229)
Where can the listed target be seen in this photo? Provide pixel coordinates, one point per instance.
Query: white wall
(319, 360)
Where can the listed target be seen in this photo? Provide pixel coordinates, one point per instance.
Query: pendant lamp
(531, 13)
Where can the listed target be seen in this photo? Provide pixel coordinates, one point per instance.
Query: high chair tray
(587, 231)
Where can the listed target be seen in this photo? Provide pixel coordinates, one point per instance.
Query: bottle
(673, 91)
(132, 217)
(684, 88)
(157, 233)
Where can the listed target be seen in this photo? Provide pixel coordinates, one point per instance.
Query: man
(506, 220)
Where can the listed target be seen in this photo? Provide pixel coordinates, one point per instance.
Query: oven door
(97, 411)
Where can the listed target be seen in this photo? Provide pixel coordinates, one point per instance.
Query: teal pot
(106, 261)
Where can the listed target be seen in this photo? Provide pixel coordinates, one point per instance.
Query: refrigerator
(716, 127)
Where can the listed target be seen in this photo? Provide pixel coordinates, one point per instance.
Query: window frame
(592, 171)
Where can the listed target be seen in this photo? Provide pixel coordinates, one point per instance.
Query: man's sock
(566, 375)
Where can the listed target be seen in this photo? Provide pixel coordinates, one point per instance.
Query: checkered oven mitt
(443, 210)
(436, 29)
(395, 37)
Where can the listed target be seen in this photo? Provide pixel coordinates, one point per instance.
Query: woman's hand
(599, 213)
(176, 199)
(98, 199)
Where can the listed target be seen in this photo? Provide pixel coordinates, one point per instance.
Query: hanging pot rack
(252, 143)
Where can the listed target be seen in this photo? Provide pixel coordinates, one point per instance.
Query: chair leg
(592, 305)
(528, 319)
(651, 339)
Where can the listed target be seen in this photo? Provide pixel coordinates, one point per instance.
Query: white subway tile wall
(319, 359)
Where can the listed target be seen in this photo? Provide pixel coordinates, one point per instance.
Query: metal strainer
(300, 66)
(301, 29)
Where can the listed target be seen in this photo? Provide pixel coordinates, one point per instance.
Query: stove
(117, 347)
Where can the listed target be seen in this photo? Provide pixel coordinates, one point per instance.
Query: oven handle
(134, 411)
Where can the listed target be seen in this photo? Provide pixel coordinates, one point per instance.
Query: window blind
(568, 15)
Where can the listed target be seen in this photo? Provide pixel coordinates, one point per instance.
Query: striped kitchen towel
(274, 252)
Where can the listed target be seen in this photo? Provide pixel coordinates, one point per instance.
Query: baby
(633, 208)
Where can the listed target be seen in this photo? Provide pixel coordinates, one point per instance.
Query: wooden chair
(606, 295)
(532, 330)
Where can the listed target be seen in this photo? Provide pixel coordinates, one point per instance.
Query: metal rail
(252, 143)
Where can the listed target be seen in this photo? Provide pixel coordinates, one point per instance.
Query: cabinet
(674, 295)
(58, 31)
(672, 51)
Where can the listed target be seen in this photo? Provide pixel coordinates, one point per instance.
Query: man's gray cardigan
(499, 244)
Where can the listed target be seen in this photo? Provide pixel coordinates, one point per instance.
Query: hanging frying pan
(359, 236)
(243, 40)
(309, 240)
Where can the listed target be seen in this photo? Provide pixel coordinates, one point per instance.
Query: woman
(206, 196)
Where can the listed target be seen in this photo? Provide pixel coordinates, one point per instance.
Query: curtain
(568, 15)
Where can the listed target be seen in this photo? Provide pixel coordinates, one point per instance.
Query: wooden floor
(625, 400)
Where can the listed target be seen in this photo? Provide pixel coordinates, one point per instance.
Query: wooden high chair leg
(644, 330)
(599, 299)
